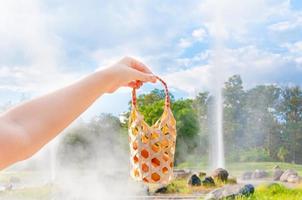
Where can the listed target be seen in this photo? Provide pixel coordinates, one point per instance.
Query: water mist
(217, 159)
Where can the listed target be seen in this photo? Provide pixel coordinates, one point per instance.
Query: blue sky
(194, 45)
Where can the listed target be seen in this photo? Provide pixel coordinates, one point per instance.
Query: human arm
(26, 128)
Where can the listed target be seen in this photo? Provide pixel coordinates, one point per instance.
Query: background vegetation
(262, 123)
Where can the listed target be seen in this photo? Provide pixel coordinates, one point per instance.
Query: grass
(263, 192)
(180, 186)
(274, 192)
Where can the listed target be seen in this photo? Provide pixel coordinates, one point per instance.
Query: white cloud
(199, 34)
(295, 47)
(185, 42)
(190, 80)
(295, 52)
(256, 66)
(30, 50)
(23, 26)
(36, 37)
(32, 80)
(286, 25)
(229, 20)
(232, 18)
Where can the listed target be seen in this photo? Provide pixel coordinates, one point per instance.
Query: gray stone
(194, 180)
(290, 172)
(230, 192)
(277, 173)
(182, 173)
(259, 174)
(220, 174)
(246, 175)
(294, 179)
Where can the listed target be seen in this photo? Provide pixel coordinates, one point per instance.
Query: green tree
(151, 107)
(262, 127)
(291, 110)
(187, 128)
(233, 114)
(201, 105)
(88, 142)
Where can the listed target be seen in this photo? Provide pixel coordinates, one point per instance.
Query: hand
(129, 72)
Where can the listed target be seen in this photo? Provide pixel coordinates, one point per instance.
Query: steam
(216, 138)
(104, 170)
(98, 170)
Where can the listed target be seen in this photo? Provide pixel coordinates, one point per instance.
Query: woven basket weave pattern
(152, 148)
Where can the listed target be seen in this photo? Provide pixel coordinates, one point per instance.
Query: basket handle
(167, 101)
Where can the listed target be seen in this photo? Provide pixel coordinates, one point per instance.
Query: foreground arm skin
(26, 128)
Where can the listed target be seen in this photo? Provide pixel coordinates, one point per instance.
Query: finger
(131, 84)
(137, 65)
(135, 84)
(139, 84)
(144, 77)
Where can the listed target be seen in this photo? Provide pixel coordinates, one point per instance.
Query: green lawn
(274, 192)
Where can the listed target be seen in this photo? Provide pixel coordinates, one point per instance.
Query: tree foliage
(263, 123)
(151, 107)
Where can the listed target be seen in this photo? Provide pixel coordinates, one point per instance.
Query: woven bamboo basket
(152, 148)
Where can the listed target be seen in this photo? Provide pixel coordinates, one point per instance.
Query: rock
(194, 180)
(277, 172)
(220, 174)
(294, 179)
(230, 192)
(208, 181)
(290, 172)
(161, 190)
(246, 175)
(182, 173)
(259, 174)
(247, 190)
